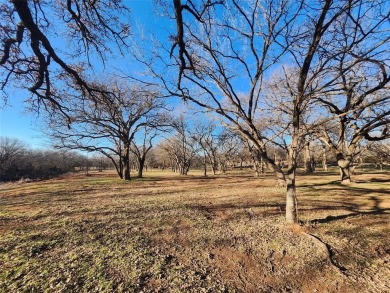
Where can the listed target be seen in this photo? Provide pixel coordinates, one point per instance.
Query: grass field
(167, 233)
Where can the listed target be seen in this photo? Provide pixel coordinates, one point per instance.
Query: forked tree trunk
(345, 175)
(344, 166)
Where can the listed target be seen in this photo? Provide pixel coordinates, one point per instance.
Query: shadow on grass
(210, 211)
(341, 187)
(375, 210)
(379, 180)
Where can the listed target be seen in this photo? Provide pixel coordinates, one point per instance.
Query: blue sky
(17, 122)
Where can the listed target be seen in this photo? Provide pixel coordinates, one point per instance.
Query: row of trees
(217, 149)
(18, 161)
(277, 73)
(213, 152)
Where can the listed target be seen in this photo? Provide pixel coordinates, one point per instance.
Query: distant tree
(378, 153)
(229, 149)
(141, 147)
(206, 136)
(181, 147)
(18, 161)
(108, 123)
(309, 160)
(11, 152)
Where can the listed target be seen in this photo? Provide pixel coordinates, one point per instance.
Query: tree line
(20, 162)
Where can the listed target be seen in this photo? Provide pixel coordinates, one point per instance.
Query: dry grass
(167, 233)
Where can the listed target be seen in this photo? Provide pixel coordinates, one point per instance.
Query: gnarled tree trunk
(344, 166)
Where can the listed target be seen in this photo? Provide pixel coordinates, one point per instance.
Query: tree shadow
(375, 210)
(379, 180)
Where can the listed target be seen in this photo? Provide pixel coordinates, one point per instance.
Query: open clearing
(167, 233)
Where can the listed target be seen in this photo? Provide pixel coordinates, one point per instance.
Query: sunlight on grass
(181, 234)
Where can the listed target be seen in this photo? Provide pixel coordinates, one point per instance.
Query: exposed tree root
(330, 253)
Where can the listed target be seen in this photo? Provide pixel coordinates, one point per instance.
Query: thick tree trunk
(344, 166)
(127, 174)
(291, 194)
(126, 163)
(214, 167)
(291, 200)
(141, 165)
(126, 169)
(345, 175)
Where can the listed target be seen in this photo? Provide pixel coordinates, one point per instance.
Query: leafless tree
(45, 42)
(357, 97)
(142, 144)
(225, 52)
(207, 136)
(229, 148)
(362, 114)
(378, 153)
(108, 123)
(181, 147)
(19, 161)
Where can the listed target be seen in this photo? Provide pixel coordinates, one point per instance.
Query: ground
(169, 233)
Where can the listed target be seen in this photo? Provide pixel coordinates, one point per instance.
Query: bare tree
(229, 148)
(140, 147)
(32, 58)
(358, 97)
(225, 52)
(236, 45)
(11, 151)
(207, 136)
(108, 123)
(378, 153)
(181, 147)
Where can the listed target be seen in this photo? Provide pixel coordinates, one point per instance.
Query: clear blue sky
(17, 122)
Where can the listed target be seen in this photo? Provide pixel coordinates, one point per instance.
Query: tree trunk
(324, 162)
(308, 159)
(291, 200)
(344, 166)
(127, 172)
(126, 163)
(291, 194)
(205, 166)
(214, 166)
(141, 164)
(281, 178)
(345, 175)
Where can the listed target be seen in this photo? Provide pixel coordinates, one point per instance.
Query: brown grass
(168, 233)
